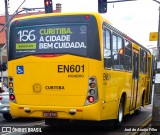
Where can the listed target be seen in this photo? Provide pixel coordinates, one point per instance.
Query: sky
(135, 18)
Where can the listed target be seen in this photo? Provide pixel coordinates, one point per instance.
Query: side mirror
(102, 6)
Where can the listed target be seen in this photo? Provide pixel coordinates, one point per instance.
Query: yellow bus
(75, 66)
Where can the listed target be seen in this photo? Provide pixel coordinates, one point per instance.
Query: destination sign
(51, 39)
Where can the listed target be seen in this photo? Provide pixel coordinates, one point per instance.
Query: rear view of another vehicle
(4, 106)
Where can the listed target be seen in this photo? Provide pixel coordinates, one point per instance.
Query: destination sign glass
(66, 39)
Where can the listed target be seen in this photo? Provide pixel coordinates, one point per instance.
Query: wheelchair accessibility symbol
(20, 70)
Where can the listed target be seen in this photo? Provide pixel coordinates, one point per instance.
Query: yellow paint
(45, 86)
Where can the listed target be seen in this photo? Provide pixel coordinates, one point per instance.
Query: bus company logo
(37, 87)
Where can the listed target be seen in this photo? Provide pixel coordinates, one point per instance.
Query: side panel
(115, 83)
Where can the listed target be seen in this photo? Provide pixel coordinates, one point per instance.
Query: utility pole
(6, 15)
(1, 62)
(156, 100)
(6, 25)
(1, 58)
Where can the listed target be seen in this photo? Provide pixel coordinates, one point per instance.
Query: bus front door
(135, 76)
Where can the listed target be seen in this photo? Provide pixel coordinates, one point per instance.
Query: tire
(7, 116)
(118, 122)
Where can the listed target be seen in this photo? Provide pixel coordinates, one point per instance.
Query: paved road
(19, 121)
(133, 121)
(78, 128)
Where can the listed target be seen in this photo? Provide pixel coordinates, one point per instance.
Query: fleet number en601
(70, 68)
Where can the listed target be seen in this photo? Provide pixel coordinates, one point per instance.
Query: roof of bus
(62, 14)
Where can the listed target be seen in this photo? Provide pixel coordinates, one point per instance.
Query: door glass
(135, 61)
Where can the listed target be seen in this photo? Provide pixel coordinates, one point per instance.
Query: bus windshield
(55, 35)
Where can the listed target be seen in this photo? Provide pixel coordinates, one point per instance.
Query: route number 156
(26, 35)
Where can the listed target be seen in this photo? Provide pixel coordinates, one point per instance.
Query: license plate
(50, 114)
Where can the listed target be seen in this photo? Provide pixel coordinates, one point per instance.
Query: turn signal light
(10, 84)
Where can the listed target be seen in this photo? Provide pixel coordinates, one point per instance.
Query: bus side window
(107, 49)
(127, 55)
(117, 52)
(143, 61)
